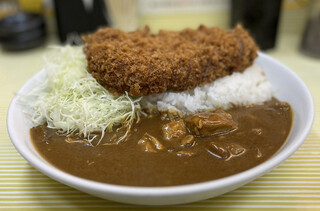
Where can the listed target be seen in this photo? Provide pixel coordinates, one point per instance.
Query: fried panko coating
(141, 63)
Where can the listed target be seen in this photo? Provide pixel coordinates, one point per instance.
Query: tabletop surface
(293, 184)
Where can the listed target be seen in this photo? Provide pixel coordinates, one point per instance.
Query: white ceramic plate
(287, 86)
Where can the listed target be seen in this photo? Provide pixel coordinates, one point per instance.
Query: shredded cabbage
(73, 102)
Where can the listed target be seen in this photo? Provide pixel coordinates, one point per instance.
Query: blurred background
(26, 24)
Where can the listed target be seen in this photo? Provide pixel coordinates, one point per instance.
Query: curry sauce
(163, 151)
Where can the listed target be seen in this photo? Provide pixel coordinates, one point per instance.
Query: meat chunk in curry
(224, 150)
(174, 130)
(208, 124)
(150, 143)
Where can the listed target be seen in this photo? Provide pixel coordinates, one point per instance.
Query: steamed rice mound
(239, 89)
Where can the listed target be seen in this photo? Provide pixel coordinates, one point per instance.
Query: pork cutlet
(142, 63)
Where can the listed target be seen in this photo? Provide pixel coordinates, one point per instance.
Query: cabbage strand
(71, 101)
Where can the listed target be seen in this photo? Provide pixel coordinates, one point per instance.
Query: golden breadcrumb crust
(142, 63)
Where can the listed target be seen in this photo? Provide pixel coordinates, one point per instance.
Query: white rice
(241, 89)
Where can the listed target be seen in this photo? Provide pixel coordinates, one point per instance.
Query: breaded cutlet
(142, 63)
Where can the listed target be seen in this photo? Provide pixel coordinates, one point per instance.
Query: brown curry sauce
(152, 157)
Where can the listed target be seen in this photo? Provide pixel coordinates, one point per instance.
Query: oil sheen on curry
(162, 150)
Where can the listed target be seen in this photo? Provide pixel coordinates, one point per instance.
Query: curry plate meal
(142, 109)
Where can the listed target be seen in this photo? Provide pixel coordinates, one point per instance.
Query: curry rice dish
(166, 148)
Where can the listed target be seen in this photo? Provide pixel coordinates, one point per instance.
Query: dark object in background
(22, 31)
(76, 17)
(260, 17)
(310, 44)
